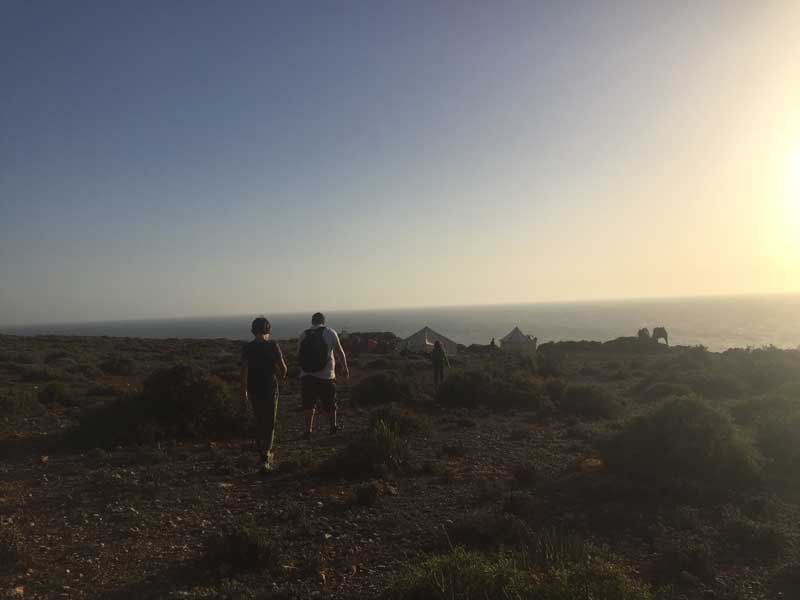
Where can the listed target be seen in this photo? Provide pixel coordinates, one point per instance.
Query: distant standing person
(316, 349)
(440, 361)
(261, 361)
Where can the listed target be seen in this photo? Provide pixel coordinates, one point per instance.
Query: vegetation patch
(383, 388)
(685, 438)
(590, 401)
(176, 403)
(464, 575)
(470, 389)
(238, 549)
(381, 449)
(118, 365)
(55, 393)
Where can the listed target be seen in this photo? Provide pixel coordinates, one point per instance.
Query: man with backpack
(316, 350)
(262, 360)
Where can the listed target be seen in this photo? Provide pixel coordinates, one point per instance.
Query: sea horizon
(716, 321)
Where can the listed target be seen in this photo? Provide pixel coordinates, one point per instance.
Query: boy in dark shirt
(261, 360)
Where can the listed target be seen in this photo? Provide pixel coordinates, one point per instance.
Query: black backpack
(314, 352)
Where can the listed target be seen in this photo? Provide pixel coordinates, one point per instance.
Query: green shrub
(589, 401)
(488, 530)
(716, 386)
(548, 364)
(404, 421)
(482, 387)
(758, 539)
(521, 504)
(664, 389)
(778, 438)
(118, 365)
(383, 388)
(239, 549)
(55, 393)
(176, 403)
(463, 575)
(381, 449)
(685, 438)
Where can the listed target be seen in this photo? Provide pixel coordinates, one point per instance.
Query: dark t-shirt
(262, 360)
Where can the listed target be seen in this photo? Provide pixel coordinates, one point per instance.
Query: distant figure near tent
(424, 339)
(440, 361)
(644, 334)
(660, 333)
(518, 342)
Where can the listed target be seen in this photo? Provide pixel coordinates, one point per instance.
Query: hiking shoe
(307, 435)
(265, 467)
(334, 429)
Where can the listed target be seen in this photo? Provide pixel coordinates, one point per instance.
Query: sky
(195, 158)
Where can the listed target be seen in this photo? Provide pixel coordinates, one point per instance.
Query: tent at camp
(423, 341)
(518, 342)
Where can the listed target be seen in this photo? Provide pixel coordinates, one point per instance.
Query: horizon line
(412, 308)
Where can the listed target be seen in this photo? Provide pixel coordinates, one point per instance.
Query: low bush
(118, 365)
(463, 575)
(239, 549)
(716, 386)
(685, 438)
(759, 539)
(589, 401)
(548, 364)
(21, 405)
(381, 449)
(489, 530)
(778, 438)
(383, 388)
(176, 403)
(482, 387)
(521, 504)
(55, 393)
(366, 494)
(403, 420)
(664, 389)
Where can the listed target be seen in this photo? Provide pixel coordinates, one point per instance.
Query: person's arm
(342, 357)
(243, 378)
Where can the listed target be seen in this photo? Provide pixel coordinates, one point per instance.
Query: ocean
(718, 322)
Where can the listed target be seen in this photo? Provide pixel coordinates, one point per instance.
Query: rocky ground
(136, 521)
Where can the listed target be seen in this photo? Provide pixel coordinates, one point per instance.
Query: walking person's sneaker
(334, 429)
(265, 467)
(307, 435)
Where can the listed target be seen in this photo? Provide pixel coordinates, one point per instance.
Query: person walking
(440, 361)
(318, 349)
(262, 360)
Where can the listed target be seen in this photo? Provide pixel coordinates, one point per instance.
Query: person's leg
(437, 377)
(309, 396)
(256, 403)
(270, 418)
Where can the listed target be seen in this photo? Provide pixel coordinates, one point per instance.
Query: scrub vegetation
(618, 470)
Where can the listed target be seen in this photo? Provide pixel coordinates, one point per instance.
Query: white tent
(516, 341)
(423, 341)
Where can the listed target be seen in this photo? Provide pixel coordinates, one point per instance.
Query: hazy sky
(197, 158)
